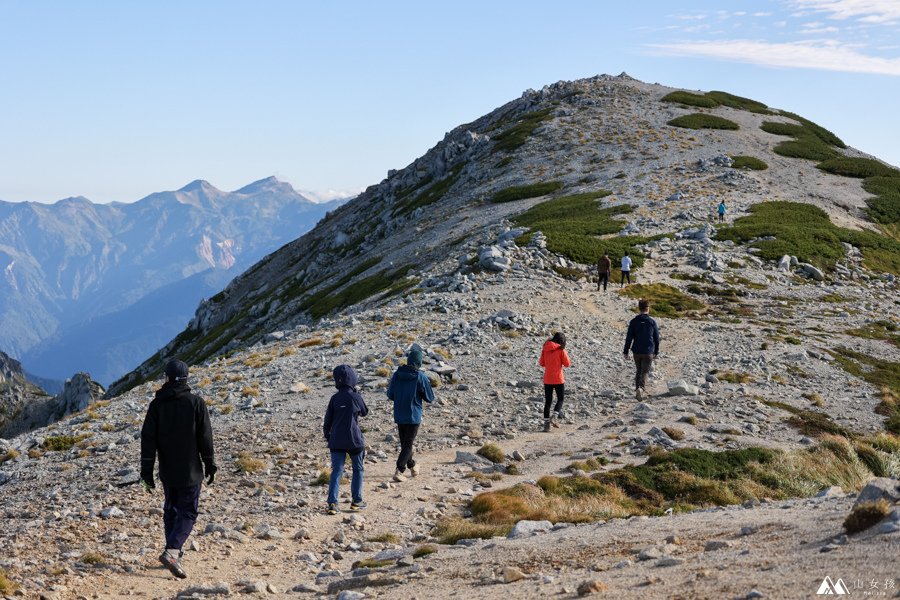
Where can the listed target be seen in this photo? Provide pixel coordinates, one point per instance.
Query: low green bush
(805, 231)
(811, 141)
(521, 192)
(748, 162)
(739, 102)
(703, 121)
(714, 99)
(857, 167)
(691, 99)
(519, 132)
(573, 226)
(884, 207)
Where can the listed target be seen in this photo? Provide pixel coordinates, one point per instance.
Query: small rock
(713, 545)
(511, 574)
(591, 587)
(529, 528)
(833, 491)
(669, 561)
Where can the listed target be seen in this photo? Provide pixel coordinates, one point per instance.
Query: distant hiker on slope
(554, 358)
(626, 269)
(721, 210)
(643, 340)
(344, 436)
(603, 267)
(177, 428)
(408, 387)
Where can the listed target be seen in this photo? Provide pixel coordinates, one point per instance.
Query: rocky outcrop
(39, 410)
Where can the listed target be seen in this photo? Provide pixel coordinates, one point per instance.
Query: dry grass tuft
(866, 515)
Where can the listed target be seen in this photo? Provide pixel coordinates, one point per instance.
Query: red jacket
(553, 359)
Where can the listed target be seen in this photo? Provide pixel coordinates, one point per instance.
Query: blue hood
(345, 376)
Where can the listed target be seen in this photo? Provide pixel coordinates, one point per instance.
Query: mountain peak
(199, 185)
(269, 184)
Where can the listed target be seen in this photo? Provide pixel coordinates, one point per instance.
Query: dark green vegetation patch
(703, 121)
(521, 192)
(410, 201)
(518, 133)
(857, 167)
(805, 231)
(715, 99)
(811, 141)
(748, 162)
(574, 223)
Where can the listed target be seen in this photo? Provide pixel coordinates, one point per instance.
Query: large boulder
(492, 259)
(529, 528)
(880, 488)
(812, 272)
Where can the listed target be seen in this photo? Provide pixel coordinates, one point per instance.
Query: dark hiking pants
(642, 363)
(407, 438)
(604, 279)
(548, 397)
(625, 275)
(180, 513)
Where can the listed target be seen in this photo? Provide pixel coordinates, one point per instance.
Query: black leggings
(548, 397)
(625, 275)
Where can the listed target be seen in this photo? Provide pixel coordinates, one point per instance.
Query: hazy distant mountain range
(99, 287)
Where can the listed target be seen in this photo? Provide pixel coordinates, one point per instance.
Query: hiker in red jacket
(553, 359)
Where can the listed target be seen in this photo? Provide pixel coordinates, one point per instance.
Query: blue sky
(116, 100)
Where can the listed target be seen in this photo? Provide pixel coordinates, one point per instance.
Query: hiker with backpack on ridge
(177, 429)
(554, 358)
(643, 340)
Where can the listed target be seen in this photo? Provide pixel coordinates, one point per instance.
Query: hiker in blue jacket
(344, 436)
(721, 211)
(408, 387)
(643, 341)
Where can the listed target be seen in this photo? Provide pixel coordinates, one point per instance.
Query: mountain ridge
(74, 261)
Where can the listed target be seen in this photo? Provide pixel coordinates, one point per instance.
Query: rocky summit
(761, 461)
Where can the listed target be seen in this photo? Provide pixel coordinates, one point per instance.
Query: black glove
(147, 481)
(211, 471)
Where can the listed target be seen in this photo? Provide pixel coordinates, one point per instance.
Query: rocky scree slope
(604, 136)
(70, 532)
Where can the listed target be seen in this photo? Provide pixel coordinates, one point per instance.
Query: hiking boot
(170, 560)
(644, 393)
(398, 476)
(332, 508)
(637, 394)
(414, 471)
(358, 505)
(546, 425)
(561, 415)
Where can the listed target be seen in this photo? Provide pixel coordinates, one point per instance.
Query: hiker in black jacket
(177, 429)
(643, 340)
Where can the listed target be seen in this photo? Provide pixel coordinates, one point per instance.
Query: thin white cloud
(821, 55)
(328, 195)
(762, 14)
(869, 11)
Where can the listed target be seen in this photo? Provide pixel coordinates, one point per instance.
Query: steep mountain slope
(16, 392)
(771, 407)
(69, 264)
(598, 136)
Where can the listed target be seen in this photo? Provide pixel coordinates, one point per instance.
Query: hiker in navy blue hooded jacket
(643, 341)
(344, 436)
(408, 388)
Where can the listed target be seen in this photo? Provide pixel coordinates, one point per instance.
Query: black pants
(548, 397)
(604, 279)
(642, 364)
(179, 513)
(626, 275)
(407, 437)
